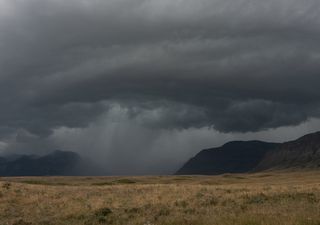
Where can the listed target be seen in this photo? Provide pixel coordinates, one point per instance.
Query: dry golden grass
(280, 198)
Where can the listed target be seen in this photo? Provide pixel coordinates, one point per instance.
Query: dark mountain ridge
(251, 156)
(57, 163)
(233, 157)
(301, 153)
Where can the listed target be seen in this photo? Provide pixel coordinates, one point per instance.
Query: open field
(254, 199)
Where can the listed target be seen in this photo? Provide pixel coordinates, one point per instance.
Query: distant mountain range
(57, 163)
(251, 156)
(233, 157)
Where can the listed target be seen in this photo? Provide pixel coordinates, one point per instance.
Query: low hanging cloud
(230, 66)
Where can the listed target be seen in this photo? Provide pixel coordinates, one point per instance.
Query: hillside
(301, 153)
(233, 157)
(249, 156)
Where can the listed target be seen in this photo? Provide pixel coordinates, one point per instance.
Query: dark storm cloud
(242, 65)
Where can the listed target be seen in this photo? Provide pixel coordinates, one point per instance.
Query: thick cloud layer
(170, 65)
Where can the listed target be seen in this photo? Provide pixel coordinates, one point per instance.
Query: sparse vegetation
(125, 181)
(279, 198)
(6, 185)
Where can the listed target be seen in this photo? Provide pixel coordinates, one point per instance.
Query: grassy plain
(273, 198)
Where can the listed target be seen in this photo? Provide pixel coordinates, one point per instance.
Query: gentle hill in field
(57, 163)
(233, 157)
(249, 156)
(301, 153)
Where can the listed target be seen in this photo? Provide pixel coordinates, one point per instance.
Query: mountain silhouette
(57, 163)
(251, 156)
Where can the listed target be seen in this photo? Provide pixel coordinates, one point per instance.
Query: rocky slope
(301, 153)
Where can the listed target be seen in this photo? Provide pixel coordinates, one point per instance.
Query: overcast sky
(140, 86)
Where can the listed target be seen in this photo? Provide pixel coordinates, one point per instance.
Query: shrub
(125, 181)
(103, 212)
(6, 185)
